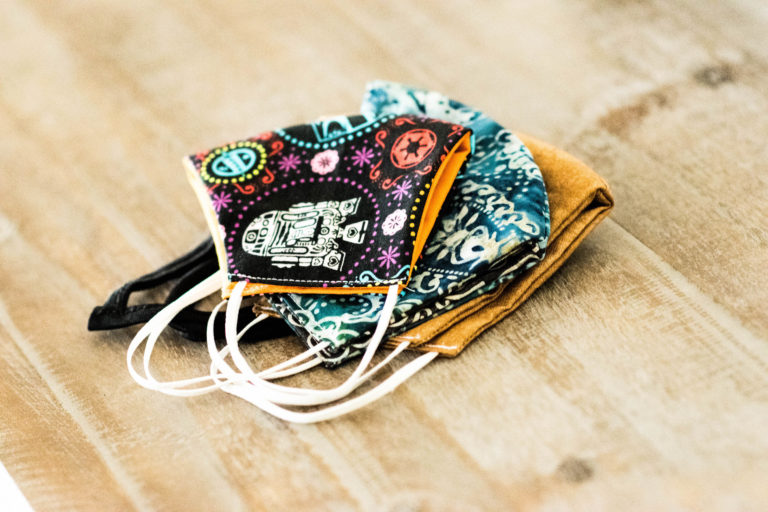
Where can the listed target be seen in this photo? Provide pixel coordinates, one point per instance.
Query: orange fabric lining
(438, 190)
(258, 288)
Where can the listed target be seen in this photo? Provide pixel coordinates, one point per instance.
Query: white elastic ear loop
(252, 395)
(283, 369)
(220, 368)
(151, 331)
(234, 386)
(302, 396)
(157, 324)
(218, 365)
(299, 396)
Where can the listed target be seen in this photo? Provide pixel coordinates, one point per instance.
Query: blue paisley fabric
(494, 225)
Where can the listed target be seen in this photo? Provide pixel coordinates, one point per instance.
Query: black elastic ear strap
(191, 323)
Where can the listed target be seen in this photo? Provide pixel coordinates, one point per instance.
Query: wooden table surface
(635, 379)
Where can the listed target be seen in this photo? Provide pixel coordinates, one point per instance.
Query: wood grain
(635, 379)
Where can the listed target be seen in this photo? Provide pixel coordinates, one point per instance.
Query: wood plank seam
(731, 326)
(130, 486)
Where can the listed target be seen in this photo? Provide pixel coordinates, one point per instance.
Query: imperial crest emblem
(412, 147)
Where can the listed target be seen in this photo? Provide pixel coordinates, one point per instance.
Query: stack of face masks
(317, 217)
(493, 226)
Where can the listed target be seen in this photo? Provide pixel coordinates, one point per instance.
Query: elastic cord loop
(302, 396)
(254, 387)
(251, 395)
(151, 331)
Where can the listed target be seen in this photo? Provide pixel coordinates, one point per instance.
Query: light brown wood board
(635, 379)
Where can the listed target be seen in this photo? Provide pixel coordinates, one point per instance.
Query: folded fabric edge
(440, 334)
(494, 307)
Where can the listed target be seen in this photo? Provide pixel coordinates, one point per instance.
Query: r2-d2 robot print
(306, 234)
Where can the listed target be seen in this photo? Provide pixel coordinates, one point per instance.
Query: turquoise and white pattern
(493, 226)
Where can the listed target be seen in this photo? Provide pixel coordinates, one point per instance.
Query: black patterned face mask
(310, 209)
(341, 207)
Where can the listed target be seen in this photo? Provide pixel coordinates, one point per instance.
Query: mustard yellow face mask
(579, 199)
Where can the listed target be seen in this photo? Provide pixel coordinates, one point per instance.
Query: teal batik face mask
(493, 226)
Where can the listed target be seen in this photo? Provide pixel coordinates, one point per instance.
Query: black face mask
(184, 272)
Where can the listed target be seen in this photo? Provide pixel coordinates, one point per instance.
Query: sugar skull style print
(343, 205)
